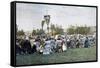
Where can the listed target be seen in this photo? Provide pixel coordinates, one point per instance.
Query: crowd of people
(49, 45)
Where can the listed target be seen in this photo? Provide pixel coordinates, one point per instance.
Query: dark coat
(86, 44)
(26, 46)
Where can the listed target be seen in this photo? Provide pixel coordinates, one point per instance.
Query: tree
(20, 32)
(39, 32)
(34, 32)
(78, 30)
(52, 28)
(59, 30)
(87, 30)
(71, 30)
(83, 30)
(47, 20)
(42, 23)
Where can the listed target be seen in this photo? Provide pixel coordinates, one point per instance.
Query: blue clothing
(86, 44)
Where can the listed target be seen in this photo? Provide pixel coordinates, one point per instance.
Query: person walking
(86, 43)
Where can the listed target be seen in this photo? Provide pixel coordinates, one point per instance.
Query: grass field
(71, 55)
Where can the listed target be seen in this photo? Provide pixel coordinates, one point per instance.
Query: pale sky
(29, 16)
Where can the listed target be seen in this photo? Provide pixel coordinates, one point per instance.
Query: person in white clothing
(47, 48)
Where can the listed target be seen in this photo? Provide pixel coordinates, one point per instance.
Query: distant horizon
(46, 29)
(29, 16)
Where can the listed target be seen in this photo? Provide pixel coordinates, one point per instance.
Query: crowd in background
(50, 44)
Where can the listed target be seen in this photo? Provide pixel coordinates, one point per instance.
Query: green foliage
(20, 32)
(52, 28)
(78, 30)
(39, 32)
(59, 30)
(71, 30)
(34, 32)
(82, 30)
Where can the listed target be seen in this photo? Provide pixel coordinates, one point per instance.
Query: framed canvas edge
(13, 32)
